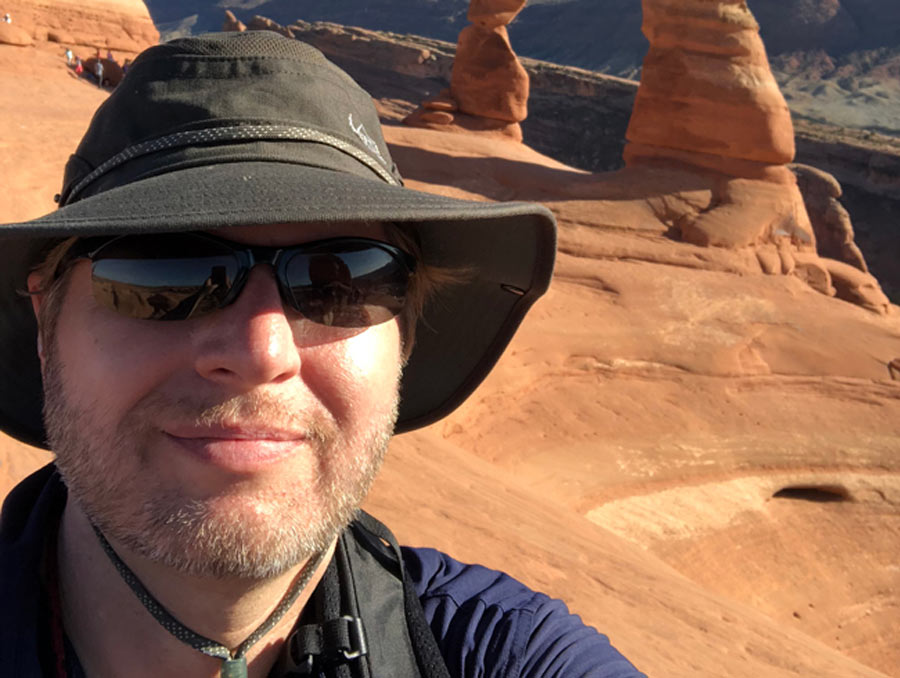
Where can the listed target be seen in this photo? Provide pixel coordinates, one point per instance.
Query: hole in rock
(817, 493)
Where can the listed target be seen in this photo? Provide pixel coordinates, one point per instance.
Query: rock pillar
(232, 23)
(488, 85)
(709, 104)
(708, 100)
(707, 89)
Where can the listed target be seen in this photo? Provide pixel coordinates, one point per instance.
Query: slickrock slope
(118, 25)
(668, 392)
(43, 106)
(650, 445)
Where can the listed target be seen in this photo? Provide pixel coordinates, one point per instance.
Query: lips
(238, 450)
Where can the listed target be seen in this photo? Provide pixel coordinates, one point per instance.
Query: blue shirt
(487, 624)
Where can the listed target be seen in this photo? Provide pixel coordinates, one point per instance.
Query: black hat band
(225, 135)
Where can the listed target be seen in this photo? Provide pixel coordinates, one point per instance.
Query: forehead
(280, 235)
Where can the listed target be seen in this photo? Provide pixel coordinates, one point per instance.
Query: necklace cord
(197, 641)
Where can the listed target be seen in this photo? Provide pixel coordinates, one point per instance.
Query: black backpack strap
(329, 640)
(428, 654)
(364, 619)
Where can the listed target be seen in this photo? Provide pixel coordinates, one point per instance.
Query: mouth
(238, 450)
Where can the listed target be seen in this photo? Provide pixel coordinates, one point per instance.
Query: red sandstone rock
(261, 23)
(60, 36)
(748, 212)
(231, 22)
(709, 104)
(493, 13)
(11, 34)
(440, 104)
(830, 221)
(857, 287)
(487, 78)
(706, 85)
(456, 121)
(439, 117)
(118, 25)
(488, 85)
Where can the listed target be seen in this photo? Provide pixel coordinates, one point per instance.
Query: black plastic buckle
(340, 640)
(358, 645)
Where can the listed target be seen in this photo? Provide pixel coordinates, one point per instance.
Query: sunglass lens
(348, 284)
(163, 277)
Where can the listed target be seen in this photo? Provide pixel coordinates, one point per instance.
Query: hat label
(368, 141)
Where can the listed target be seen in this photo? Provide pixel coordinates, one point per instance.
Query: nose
(250, 342)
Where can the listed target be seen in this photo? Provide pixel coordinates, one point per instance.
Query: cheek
(377, 351)
(105, 356)
(357, 378)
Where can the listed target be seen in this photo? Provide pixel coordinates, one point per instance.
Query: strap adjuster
(336, 641)
(357, 639)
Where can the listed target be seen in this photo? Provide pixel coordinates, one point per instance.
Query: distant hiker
(79, 67)
(226, 324)
(125, 66)
(7, 18)
(98, 71)
(109, 56)
(68, 56)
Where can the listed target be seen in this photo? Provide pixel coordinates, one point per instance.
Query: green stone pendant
(234, 668)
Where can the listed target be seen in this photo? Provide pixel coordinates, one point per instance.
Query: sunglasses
(341, 282)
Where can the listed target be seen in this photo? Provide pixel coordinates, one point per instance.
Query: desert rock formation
(488, 85)
(830, 220)
(708, 102)
(707, 90)
(117, 25)
(231, 23)
(261, 23)
(12, 34)
(580, 117)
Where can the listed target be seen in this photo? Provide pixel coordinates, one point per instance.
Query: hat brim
(506, 250)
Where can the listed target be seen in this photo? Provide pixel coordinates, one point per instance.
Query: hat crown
(276, 94)
(237, 44)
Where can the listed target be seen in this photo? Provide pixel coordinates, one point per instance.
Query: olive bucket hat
(244, 129)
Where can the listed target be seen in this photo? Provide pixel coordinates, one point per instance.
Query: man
(235, 307)
(98, 70)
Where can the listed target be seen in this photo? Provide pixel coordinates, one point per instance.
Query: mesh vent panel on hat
(250, 43)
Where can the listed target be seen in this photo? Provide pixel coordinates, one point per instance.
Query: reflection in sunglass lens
(348, 285)
(163, 277)
(340, 282)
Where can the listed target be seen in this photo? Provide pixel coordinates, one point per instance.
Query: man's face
(235, 444)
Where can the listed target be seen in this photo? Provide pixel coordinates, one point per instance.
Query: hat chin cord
(234, 664)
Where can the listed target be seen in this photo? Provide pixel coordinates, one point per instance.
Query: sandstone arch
(709, 103)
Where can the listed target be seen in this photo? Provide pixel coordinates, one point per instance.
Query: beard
(255, 533)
